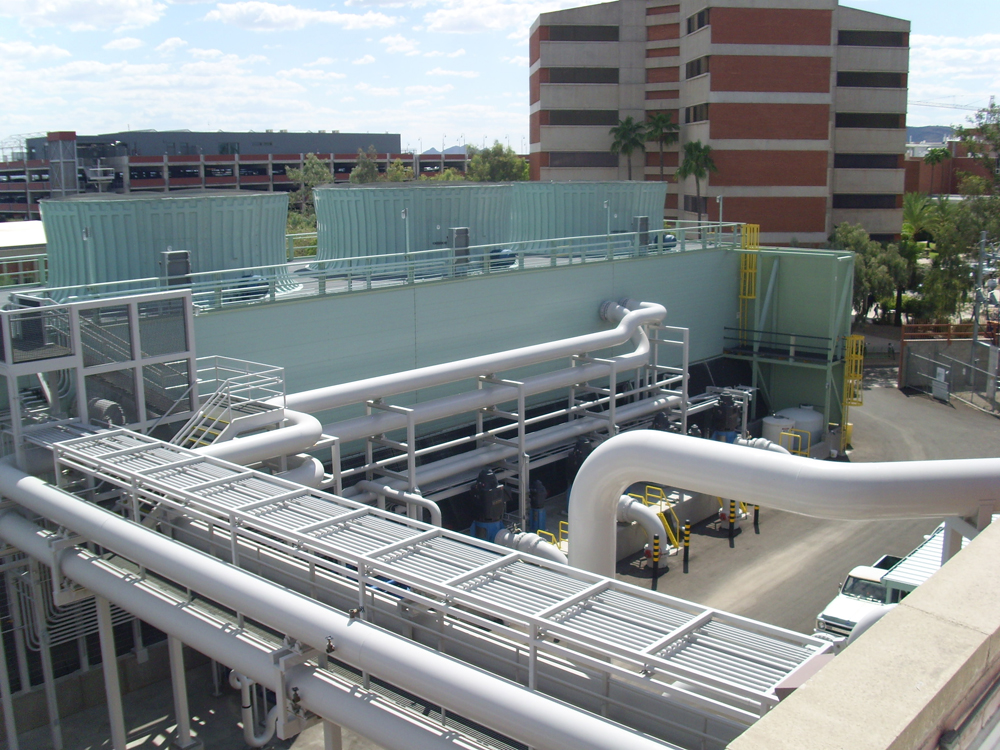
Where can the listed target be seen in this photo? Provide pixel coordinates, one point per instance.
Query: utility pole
(978, 297)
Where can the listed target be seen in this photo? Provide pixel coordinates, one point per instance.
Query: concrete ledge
(912, 676)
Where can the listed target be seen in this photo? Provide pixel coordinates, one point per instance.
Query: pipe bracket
(293, 719)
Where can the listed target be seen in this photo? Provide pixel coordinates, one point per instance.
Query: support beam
(109, 664)
(332, 736)
(178, 679)
(45, 650)
(9, 720)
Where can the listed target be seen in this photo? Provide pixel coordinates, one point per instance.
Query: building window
(872, 38)
(872, 80)
(870, 120)
(864, 200)
(583, 33)
(696, 67)
(698, 21)
(230, 147)
(583, 75)
(582, 159)
(866, 161)
(691, 204)
(606, 117)
(697, 113)
(883, 239)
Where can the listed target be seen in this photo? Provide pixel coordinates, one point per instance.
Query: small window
(691, 204)
(696, 67)
(583, 33)
(582, 159)
(698, 21)
(607, 117)
(874, 80)
(864, 200)
(697, 113)
(866, 161)
(870, 120)
(230, 147)
(872, 38)
(583, 75)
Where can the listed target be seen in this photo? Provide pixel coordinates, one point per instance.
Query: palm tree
(917, 214)
(932, 158)
(629, 136)
(663, 130)
(697, 163)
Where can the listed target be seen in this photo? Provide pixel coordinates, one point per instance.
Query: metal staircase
(223, 416)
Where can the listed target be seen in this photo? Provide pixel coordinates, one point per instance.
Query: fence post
(687, 543)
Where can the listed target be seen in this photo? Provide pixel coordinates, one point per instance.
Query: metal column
(178, 679)
(332, 736)
(45, 651)
(109, 663)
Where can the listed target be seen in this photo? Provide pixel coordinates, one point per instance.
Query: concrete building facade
(803, 104)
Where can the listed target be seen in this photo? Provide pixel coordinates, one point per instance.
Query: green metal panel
(543, 210)
(127, 233)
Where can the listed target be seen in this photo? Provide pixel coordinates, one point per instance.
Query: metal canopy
(673, 652)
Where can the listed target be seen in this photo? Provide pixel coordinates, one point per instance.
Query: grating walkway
(672, 652)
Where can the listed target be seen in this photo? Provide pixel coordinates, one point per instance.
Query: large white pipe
(409, 498)
(334, 701)
(304, 469)
(299, 433)
(822, 489)
(503, 706)
(381, 386)
(448, 406)
(763, 444)
(531, 544)
(631, 510)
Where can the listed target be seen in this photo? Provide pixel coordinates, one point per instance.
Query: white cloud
(521, 60)
(465, 16)
(370, 90)
(382, 3)
(366, 60)
(84, 16)
(458, 73)
(443, 89)
(348, 99)
(125, 43)
(320, 61)
(171, 45)
(400, 44)
(21, 51)
(951, 70)
(255, 15)
(309, 75)
(439, 53)
(205, 54)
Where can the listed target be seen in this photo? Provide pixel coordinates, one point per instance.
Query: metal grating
(675, 651)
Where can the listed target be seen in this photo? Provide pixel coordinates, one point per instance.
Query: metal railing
(240, 378)
(779, 345)
(213, 290)
(23, 270)
(943, 376)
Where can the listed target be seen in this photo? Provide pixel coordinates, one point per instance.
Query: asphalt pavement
(785, 572)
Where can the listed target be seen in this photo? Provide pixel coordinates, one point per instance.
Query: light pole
(718, 199)
(607, 210)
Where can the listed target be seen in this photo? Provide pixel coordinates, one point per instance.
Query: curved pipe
(631, 510)
(522, 714)
(304, 469)
(409, 498)
(299, 433)
(822, 489)
(866, 620)
(763, 444)
(339, 703)
(448, 406)
(530, 544)
(243, 684)
(332, 397)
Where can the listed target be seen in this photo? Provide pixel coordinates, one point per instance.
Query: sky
(435, 71)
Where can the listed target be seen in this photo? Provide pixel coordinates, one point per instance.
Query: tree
(982, 141)
(367, 167)
(933, 157)
(313, 173)
(498, 163)
(878, 270)
(697, 163)
(629, 137)
(917, 214)
(663, 130)
(447, 175)
(398, 172)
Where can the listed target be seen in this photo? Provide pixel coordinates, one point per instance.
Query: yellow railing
(563, 531)
(793, 441)
(854, 369)
(654, 494)
(548, 535)
(751, 236)
(748, 291)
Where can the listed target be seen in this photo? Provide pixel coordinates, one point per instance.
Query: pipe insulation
(304, 469)
(244, 684)
(409, 498)
(763, 444)
(530, 544)
(332, 397)
(821, 489)
(334, 701)
(632, 510)
(470, 401)
(299, 433)
(526, 716)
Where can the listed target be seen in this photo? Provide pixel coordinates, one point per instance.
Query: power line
(946, 106)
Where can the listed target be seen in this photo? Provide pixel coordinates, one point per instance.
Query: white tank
(774, 426)
(806, 418)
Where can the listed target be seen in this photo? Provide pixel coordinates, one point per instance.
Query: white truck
(873, 587)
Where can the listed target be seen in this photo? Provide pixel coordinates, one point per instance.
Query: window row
(698, 21)
(697, 113)
(696, 67)
(874, 80)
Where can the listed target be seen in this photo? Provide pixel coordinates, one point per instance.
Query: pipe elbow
(299, 433)
(631, 510)
(763, 444)
(530, 544)
(304, 469)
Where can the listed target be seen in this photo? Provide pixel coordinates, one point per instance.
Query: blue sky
(434, 70)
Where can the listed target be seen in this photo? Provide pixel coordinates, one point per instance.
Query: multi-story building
(803, 104)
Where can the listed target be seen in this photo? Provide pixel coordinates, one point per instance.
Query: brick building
(803, 104)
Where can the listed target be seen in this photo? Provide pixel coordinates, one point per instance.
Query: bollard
(687, 543)
(756, 519)
(732, 519)
(656, 559)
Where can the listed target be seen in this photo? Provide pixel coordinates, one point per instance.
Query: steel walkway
(678, 657)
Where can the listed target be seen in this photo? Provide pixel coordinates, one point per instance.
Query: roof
(15, 235)
(176, 195)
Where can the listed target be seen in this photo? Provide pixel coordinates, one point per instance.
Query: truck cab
(861, 592)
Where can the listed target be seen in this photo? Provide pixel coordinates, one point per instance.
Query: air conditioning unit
(640, 225)
(175, 267)
(458, 240)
